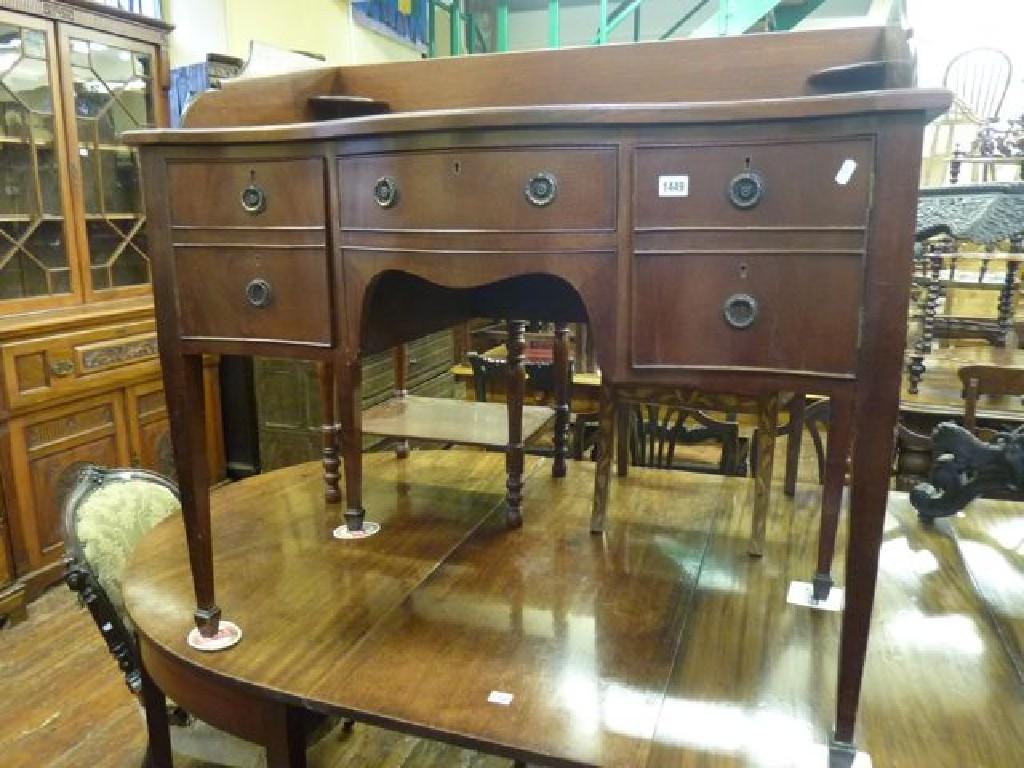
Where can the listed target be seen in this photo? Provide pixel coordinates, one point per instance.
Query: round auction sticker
(342, 532)
(228, 634)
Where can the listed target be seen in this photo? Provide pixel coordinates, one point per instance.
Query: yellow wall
(317, 26)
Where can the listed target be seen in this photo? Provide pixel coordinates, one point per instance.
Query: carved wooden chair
(105, 515)
(650, 435)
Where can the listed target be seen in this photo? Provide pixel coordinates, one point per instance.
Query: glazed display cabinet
(80, 377)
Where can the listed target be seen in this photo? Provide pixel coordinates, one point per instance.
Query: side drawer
(254, 293)
(812, 184)
(257, 193)
(691, 310)
(48, 367)
(477, 189)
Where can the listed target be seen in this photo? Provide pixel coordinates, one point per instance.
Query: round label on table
(342, 532)
(228, 634)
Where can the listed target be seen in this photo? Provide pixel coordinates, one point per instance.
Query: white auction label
(845, 172)
(673, 186)
(500, 697)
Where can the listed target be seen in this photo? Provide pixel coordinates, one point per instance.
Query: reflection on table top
(660, 644)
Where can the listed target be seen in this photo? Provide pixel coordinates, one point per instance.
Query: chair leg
(603, 470)
(622, 434)
(767, 418)
(796, 432)
(836, 453)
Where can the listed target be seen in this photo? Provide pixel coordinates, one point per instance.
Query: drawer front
(787, 184)
(56, 366)
(263, 193)
(252, 293)
(785, 312)
(574, 190)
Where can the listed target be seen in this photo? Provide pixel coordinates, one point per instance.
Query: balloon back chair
(106, 513)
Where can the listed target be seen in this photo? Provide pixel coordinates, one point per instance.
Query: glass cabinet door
(34, 253)
(110, 82)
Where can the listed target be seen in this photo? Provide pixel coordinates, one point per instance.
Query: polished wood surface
(605, 677)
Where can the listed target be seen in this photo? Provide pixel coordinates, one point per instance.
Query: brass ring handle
(746, 189)
(385, 191)
(254, 199)
(541, 189)
(62, 367)
(258, 293)
(740, 310)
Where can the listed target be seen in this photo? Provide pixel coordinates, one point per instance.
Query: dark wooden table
(660, 645)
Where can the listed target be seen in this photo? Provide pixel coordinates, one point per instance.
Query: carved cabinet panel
(53, 444)
(149, 434)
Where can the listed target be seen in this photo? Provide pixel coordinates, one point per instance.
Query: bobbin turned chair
(106, 514)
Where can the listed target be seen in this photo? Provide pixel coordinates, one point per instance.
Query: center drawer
(796, 312)
(277, 294)
(551, 189)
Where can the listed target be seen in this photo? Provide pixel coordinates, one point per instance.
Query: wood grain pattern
(569, 611)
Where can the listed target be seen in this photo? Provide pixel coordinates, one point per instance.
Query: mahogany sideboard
(732, 214)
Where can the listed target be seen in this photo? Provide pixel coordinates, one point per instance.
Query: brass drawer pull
(746, 189)
(62, 368)
(385, 191)
(258, 293)
(740, 310)
(541, 189)
(254, 199)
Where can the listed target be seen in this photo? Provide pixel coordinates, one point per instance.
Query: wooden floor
(753, 682)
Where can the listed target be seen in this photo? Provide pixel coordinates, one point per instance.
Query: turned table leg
(603, 449)
(563, 389)
(514, 452)
(350, 413)
(767, 421)
(837, 453)
(332, 493)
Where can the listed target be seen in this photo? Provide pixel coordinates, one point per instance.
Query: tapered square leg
(350, 414)
(837, 452)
